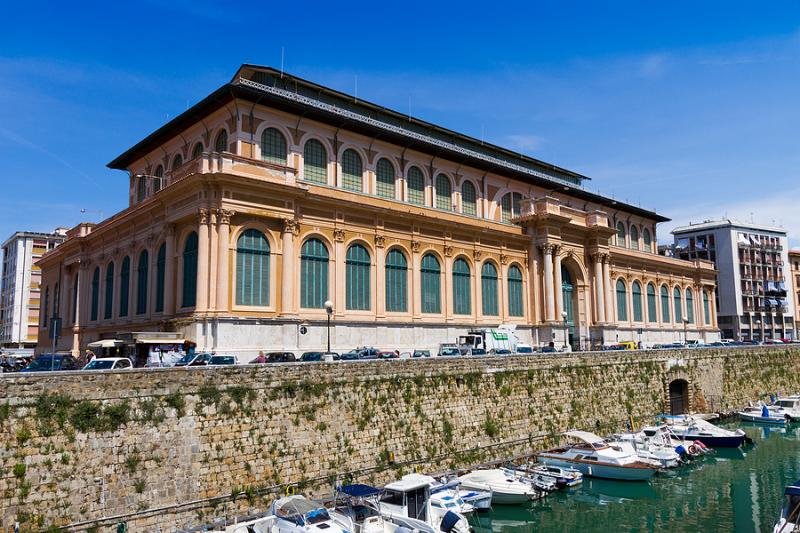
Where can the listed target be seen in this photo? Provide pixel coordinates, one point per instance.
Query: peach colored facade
(189, 178)
(794, 268)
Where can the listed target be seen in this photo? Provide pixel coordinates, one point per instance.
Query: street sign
(303, 330)
(640, 331)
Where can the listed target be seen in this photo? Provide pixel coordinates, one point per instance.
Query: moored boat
(410, 497)
(298, 514)
(564, 477)
(692, 428)
(764, 415)
(594, 457)
(356, 508)
(646, 450)
(790, 514)
(505, 489)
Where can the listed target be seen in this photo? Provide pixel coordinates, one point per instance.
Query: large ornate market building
(274, 194)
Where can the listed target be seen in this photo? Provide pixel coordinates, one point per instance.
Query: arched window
(357, 266)
(273, 146)
(622, 301)
(124, 286)
(141, 188)
(651, 303)
(462, 297)
(516, 204)
(177, 161)
(315, 162)
(648, 242)
(313, 274)
(515, 299)
(634, 237)
(444, 193)
(161, 267)
(689, 306)
(665, 304)
(416, 186)
(252, 269)
(197, 151)
(384, 177)
(506, 212)
(469, 201)
(396, 282)
(706, 308)
(158, 179)
(189, 287)
(141, 282)
(620, 234)
(95, 293)
(352, 171)
(108, 307)
(75, 300)
(489, 289)
(45, 306)
(431, 274)
(636, 293)
(676, 296)
(222, 142)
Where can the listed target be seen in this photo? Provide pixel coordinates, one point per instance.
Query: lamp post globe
(329, 310)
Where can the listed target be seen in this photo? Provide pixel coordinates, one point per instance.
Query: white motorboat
(790, 406)
(647, 450)
(564, 477)
(478, 499)
(540, 483)
(447, 496)
(505, 489)
(410, 497)
(693, 428)
(790, 514)
(356, 508)
(761, 414)
(298, 514)
(664, 436)
(594, 457)
(265, 524)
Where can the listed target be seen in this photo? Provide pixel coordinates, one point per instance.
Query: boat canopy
(585, 436)
(410, 482)
(793, 489)
(359, 490)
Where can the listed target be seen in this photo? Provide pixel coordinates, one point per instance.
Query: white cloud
(524, 143)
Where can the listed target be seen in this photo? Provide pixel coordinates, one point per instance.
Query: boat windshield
(785, 403)
(300, 510)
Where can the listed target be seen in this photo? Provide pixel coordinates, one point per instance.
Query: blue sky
(689, 108)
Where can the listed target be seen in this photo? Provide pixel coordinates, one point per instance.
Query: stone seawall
(166, 449)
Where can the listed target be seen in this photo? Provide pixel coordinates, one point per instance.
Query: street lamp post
(329, 310)
(564, 316)
(685, 332)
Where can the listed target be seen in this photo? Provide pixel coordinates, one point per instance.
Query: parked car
(523, 349)
(330, 356)
(14, 362)
(221, 360)
(108, 363)
(477, 351)
(46, 362)
(448, 350)
(421, 353)
(405, 355)
(194, 359)
(368, 353)
(388, 355)
(281, 357)
(501, 351)
(352, 355)
(310, 357)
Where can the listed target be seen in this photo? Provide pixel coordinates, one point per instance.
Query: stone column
(288, 266)
(476, 300)
(203, 237)
(608, 288)
(416, 280)
(213, 249)
(559, 293)
(448, 287)
(599, 291)
(169, 271)
(549, 304)
(533, 283)
(380, 275)
(80, 279)
(340, 277)
(223, 258)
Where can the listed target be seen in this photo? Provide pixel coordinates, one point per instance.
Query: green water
(733, 490)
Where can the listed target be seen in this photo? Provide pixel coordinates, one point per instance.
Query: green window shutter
(634, 237)
(141, 282)
(651, 303)
(444, 193)
(505, 208)
(689, 306)
(469, 202)
(161, 264)
(396, 282)
(676, 293)
(515, 299)
(706, 308)
(416, 186)
(648, 243)
(431, 274)
(352, 171)
(636, 292)
(252, 269)
(95, 293)
(622, 301)
(222, 142)
(315, 162)
(462, 304)
(489, 290)
(109, 303)
(357, 267)
(516, 204)
(665, 304)
(190, 271)
(384, 174)
(273, 146)
(313, 274)
(197, 151)
(620, 234)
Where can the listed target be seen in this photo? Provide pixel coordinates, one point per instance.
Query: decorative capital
(503, 259)
(202, 216)
(547, 249)
(476, 255)
(169, 229)
(415, 246)
(380, 241)
(606, 258)
(448, 251)
(291, 226)
(224, 216)
(338, 235)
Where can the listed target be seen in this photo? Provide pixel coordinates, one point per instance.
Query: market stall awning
(106, 343)
(159, 340)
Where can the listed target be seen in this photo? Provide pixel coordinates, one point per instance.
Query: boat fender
(290, 490)
(700, 444)
(449, 522)
(694, 450)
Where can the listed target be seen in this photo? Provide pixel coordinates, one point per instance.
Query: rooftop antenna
(282, 51)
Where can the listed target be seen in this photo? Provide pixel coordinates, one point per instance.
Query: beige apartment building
(274, 195)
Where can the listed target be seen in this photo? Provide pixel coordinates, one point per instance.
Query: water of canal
(733, 490)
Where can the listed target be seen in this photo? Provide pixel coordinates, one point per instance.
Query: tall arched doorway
(569, 296)
(678, 397)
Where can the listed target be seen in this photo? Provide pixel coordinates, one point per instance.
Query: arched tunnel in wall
(678, 397)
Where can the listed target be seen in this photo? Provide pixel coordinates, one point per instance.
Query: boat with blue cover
(692, 428)
(357, 508)
(298, 514)
(764, 415)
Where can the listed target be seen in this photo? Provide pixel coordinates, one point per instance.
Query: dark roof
(298, 96)
(358, 490)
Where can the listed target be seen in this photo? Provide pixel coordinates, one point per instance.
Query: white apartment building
(21, 301)
(754, 284)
